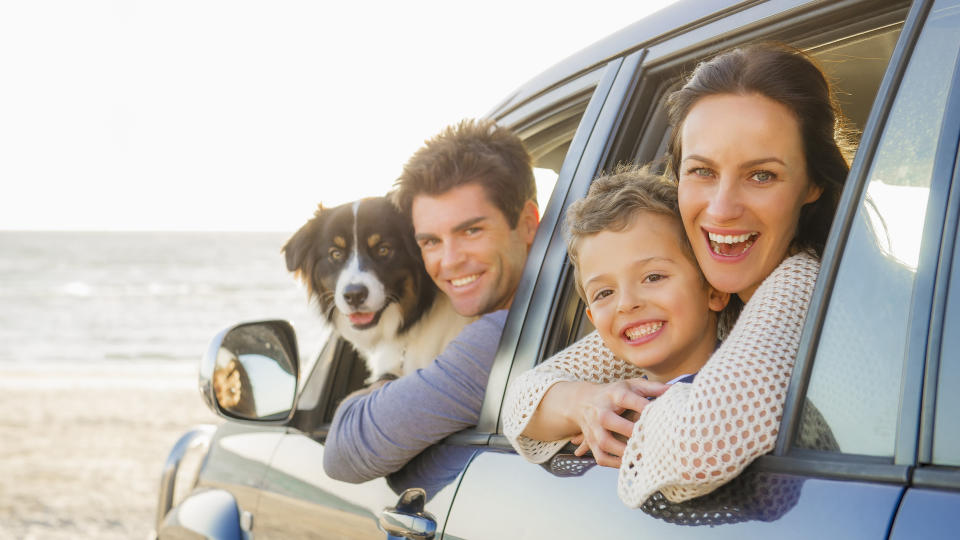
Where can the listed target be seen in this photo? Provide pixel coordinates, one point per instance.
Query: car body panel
(928, 514)
(542, 504)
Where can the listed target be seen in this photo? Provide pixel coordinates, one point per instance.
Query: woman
(759, 173)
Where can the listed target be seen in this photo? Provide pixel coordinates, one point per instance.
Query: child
(650, 304)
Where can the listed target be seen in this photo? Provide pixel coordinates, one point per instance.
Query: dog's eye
(336, 254)
(384, 250)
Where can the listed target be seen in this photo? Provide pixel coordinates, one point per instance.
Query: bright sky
(243, 115)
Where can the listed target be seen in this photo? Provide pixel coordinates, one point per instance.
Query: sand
(81, 448)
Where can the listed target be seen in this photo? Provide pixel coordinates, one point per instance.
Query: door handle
(408, 519)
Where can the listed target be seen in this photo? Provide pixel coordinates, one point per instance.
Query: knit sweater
(698, 436)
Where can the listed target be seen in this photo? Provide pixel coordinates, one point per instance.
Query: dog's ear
(407, 234)
(298, 248)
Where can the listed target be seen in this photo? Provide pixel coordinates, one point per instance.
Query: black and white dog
(360, 263)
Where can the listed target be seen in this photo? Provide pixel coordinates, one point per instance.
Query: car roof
(656, 27)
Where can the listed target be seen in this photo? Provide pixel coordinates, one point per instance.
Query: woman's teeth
(460, 282)
(731, 245)
(638, 332)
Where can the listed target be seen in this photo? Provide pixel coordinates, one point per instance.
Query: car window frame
(930, 472)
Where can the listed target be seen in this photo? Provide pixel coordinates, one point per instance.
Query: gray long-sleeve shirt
(375, 434)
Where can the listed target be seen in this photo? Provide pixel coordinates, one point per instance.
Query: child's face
(647, 299)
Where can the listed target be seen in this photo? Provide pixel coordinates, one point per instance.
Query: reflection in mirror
(231, 385)
(254, 374)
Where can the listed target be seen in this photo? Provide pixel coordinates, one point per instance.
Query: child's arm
(587, 360)
(594, 410)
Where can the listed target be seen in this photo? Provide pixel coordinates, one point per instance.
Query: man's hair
(613, 203)
(472, 151)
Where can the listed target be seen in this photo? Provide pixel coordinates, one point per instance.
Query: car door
(861, 363)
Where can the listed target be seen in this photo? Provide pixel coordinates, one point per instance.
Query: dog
(360, 263)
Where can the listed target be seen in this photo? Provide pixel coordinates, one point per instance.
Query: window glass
(855, 384)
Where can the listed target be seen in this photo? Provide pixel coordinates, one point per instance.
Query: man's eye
(428, 243)
(470, 231)
(335, 254)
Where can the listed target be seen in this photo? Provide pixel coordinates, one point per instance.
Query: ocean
(140, 298)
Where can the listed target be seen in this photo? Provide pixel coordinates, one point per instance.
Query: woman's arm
(697, 437)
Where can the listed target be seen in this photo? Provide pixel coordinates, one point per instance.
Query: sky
(244, 115)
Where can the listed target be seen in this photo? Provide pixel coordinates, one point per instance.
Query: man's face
(470, 250)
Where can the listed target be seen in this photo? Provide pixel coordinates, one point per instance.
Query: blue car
(878, 361)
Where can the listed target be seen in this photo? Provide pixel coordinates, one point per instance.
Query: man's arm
(376, 433)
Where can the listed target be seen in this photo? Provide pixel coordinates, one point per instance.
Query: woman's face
(743, 181)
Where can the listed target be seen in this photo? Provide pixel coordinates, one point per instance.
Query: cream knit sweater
(696, 436)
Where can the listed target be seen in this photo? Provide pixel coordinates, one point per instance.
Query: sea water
(128, 299)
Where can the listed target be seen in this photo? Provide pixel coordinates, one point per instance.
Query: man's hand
(604, 411)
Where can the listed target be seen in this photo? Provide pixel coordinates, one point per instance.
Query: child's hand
(598, 411)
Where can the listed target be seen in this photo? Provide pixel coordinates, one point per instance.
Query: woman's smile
(727, 245)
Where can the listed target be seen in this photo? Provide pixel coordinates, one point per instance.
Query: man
(471, 194)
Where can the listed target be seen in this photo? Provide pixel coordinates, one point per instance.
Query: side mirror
(250, 372)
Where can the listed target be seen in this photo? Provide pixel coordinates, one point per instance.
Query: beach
(83, 446)
(102, 334)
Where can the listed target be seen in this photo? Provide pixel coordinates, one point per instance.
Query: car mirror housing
(250, 371)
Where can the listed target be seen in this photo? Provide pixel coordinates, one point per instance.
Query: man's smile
(465, 280)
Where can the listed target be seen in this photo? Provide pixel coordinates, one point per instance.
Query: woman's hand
(604, 411)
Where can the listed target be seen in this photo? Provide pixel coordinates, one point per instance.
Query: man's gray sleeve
(375, 434)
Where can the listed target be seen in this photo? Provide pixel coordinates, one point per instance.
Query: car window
(857, 371)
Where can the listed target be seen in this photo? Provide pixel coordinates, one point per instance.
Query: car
(877, 360)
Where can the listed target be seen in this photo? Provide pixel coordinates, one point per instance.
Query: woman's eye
(471, 231)
(336, 254)
(651, 278)
(762, 177)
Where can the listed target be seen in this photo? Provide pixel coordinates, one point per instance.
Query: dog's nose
(355, 294)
